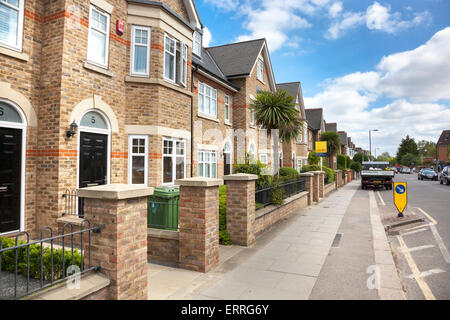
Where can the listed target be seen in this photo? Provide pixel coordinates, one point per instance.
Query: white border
(23, 127)
(20, 28)
(174, 163)
(108, 17)
(130, 159)
(147, 70)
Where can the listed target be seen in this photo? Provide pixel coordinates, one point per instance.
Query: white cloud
(335, 9)
(207, 37)
(377, 17)
(227, 5)
(418, 80)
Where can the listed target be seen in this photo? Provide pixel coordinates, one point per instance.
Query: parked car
(427, 174)
(406, 170)
(445, 176)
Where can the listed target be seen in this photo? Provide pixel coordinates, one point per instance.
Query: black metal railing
(264, 194)
(73, 205)
(325, 180)
(163, 215)
(28, 267)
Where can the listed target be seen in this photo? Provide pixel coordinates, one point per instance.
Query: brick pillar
(338, 178)
(309, 177)
(316, 185)
(321, 183)
(241, 208)
(120, 249)
(199, 223)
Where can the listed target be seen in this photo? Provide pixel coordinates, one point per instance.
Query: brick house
(442, 146)
(295, 153)
(316, 125)
(332, 127)
(344, 141)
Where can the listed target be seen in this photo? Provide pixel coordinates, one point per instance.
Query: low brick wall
(329, 187)
(163, 246)
(267, 217)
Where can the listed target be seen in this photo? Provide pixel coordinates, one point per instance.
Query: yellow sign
(321, 147)
(400, 196)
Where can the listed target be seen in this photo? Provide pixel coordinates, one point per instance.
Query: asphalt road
(421, 250)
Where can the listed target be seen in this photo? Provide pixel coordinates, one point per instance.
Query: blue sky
(369, 64)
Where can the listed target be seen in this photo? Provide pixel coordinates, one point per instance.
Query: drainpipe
(193, 69)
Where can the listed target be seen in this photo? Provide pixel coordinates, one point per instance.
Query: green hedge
(330, 173)
(288, 172)
(224, 237)
(9, 258)
(310, 167)
(254, 168)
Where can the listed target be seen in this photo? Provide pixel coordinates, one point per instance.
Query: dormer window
(197, 44)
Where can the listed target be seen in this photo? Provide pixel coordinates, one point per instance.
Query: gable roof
(207, 64)
(343, 137)
(445, 137)
(315, 118)
(237, 59)
(331, 127)
(294, 89)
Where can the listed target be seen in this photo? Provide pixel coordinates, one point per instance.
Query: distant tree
(410, 159)
(386, 154)
(333, 144)
(359, 157)
(407, 145)
(427, 149)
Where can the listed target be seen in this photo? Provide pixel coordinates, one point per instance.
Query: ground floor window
(138, 160)
(299, 165)
(174, 160)
(263, 158)
(207, 164)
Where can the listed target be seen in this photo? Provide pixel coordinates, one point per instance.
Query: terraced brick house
(442, 147)
(316, 125)
(295, 153)
(343, 140)
(332, 127)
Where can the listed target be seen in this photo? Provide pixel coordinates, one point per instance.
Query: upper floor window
(252, 116)
(207, 100)
(227, 108)
(98, 41)
(175, 61)
(140, 51)
(260, 73)
(300, 136)
(197, 44)
(11, 23)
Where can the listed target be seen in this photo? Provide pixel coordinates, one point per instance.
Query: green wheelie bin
(163, 208)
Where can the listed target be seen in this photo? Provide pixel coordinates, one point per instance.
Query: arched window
(252, 152)
(9, 114)
(94, 120)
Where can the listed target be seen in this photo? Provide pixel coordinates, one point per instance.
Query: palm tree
(333, 144)
(276, 111)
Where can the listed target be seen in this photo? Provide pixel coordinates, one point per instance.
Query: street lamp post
(370, 142)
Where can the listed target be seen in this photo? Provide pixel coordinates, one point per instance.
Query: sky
(369, 64)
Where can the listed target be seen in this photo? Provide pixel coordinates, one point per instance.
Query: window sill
(14, 54)
(165, 83)
(252, 126)
(228, 123)
(92, 67)
(207, 117)
(262, 81)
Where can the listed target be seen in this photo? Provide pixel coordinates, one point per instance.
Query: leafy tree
(427, 149)
(409, 159)
(359, 157)
(312, 158)
(356, 166)
(333, 144)
(277, 111)
(407, 145)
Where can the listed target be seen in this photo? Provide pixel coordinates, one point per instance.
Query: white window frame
(252, 116)
(261, 158)
(20, 18)
(134, 44)
(131, 154)
(212, 155)
(182, 67)
(227, 102)
(203, 96)
(108, 19)
(300, 136)
(197, 44)
(299, 167)
(260, 70)
(174, 157)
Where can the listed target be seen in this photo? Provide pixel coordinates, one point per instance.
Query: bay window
(174, 160)
(11, 23)
(175, 61)
(98, 39)
(207, 100)
(207, 164)
(140, 51)
(138, 160)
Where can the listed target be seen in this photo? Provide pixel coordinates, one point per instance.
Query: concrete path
(298, 259)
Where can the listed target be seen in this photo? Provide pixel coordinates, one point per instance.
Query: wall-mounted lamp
(73, 130)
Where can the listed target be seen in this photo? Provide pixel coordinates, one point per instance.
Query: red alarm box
(120, 27)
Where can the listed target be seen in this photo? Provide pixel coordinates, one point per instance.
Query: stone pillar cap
(306, 174)
(115, 191)
(241, 177)
(199, 182)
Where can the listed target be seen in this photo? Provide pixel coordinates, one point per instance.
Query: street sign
(400, 197)
(321, 147)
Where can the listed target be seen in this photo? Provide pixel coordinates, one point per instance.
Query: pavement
(336, 249)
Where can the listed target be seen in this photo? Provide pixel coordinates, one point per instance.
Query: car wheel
(440, 181)
(448, 182)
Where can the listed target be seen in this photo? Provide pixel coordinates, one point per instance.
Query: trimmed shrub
(288, 172)
(310, 167)
(312, 158)
(330, 173)
(9, 258)
(254, 168)
(356, 166)
(224, 237)
(341, 162)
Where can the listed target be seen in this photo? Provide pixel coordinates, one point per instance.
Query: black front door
(10, 178)
(93, 161)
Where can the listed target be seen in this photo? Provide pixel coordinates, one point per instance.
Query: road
(421, 250)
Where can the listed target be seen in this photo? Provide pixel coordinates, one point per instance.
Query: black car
(445, 176)
(429, 174)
